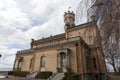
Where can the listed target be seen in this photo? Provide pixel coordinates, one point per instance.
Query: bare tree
(107, 14)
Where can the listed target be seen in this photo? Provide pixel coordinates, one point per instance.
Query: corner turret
(69, 20)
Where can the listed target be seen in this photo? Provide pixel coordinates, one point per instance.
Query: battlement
(69, 13)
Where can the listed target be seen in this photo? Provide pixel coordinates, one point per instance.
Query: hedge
(75, 77)
(119, 70)
(10, 72)
(44, 75)
(71, 76)
(19, 73)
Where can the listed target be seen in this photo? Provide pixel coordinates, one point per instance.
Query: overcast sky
(21, 20)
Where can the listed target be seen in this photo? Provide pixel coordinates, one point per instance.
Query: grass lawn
(117, 75)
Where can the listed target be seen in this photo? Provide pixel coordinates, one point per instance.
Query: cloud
(53, 26)
(8, 56)
(21, 20)
(11, 16)
(54, 16)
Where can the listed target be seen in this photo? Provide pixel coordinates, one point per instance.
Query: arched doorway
(42, 63)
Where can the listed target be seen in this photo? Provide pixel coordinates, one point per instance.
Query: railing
(57, 42)
(54, 74)
(50, 44)
(24, 51)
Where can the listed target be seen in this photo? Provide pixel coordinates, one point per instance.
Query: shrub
(19, 73)
(64, 78)
(10, 72)
(71, 76)
(75, 77)
(44, 75)
(119, 70)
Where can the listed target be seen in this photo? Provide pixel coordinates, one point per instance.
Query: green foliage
(114, 74)
(119, 70)
(18, 73)
(75, 77)
(64, 78)
(21, 73)
(71, 76)
(10, 72)
(44, 75)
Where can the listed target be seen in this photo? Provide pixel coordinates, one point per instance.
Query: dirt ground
(19, 78)
(4, 73)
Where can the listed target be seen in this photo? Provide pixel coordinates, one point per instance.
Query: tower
(69, 19)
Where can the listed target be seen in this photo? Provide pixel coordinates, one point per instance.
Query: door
(62, 62)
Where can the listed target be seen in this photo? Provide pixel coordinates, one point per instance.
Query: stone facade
(77, 50)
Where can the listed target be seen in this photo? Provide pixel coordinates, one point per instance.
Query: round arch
(42, 63)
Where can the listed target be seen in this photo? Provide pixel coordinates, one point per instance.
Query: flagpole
(69, 8)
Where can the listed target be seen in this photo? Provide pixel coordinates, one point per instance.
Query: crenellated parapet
(25, 51)
(69, 19)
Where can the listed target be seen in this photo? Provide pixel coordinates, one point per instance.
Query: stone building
(78, 50)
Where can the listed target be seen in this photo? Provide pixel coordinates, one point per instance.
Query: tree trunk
(114, 68)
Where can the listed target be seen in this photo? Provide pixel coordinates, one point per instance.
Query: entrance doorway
(63, 62)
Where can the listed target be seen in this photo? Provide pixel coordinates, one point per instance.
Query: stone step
(32, 74)
(57, 76)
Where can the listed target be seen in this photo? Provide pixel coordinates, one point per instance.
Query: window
(94, 63)
(31, 61)
(64, 61)
(91, 40)
(88, 64)
(42, 63)
(20, 60)
(43, 60)
(19, 64)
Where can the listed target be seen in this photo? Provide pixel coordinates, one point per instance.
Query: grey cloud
(21, 20)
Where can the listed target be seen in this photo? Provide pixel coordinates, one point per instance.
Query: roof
(68, 41)
(79, 26)
(50, 38)
(25, 51)
(61, 35)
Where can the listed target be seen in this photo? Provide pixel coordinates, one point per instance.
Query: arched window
(43, 61)
(91, 40)
(94, 63)
(20, 61)
(31, 62)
